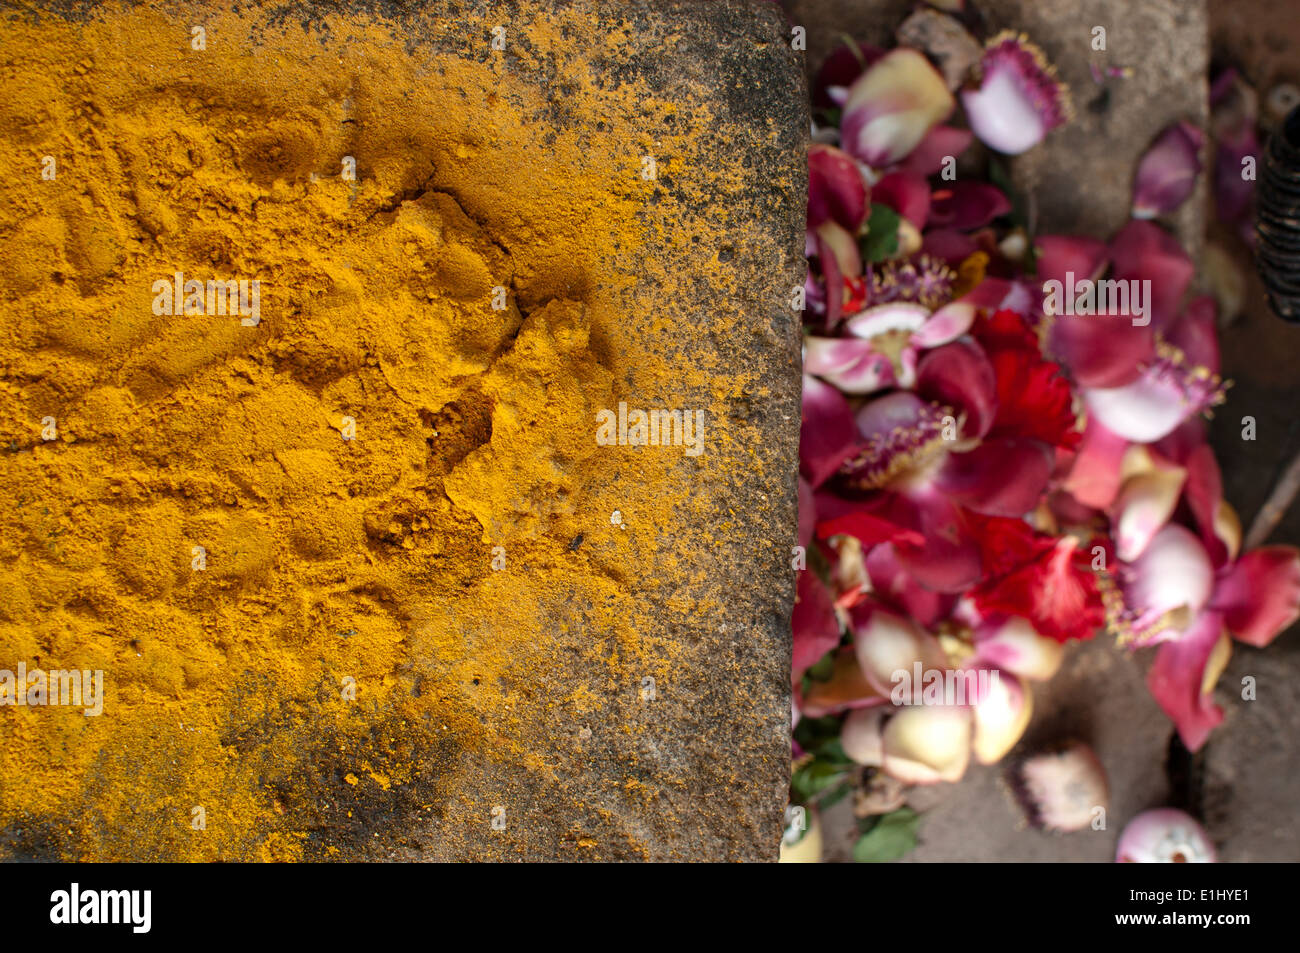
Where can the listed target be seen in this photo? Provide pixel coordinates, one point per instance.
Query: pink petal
(1145, 504)
(1095, 474)
(828, 435)
(1260, 595)
(851, 364)
(1019, 99)
(1003, 477)
(1144, 411)
(813, 621)
(836, 189)
(967, 205)
(1144, 251)
(959, 375)
(893, 584)
(1183, 675)
(996, 294)
(1101, 350)
(948, 244)
(832, 279)
(1164, 836)
(1166, 174)
(1196, 335)
(888, 644)
(1220, 533)
(892, 106)
(1061, 255)
(1173, 575)
(928, 157)
(1012, 644)
(947, 324)
(948, 560)
(883, 318)
(906, 193)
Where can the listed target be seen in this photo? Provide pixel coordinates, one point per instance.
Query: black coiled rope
(1277, 220)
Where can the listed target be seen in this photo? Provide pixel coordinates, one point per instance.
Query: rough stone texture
(700, 771)
(1246, 779)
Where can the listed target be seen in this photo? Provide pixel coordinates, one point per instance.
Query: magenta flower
(1018, 100)
(1167, 173)
(892, 106)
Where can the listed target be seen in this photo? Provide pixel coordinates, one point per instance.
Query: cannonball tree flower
(1164, 836)
(891, 106)
(1017, 99)
(1191, 594)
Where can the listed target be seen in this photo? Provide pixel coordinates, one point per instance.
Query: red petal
(1056, 592)
(807, 513)
(906, 193)
(967, 205)
(1094, 478)
(1143, 251)
(958, 375)
(1004, 477)
(1101, 350)
(1260, 595)
(1178, 675)
(814, 623)
(1204, 492)
(836, 189)
(1062, 255)
(1033, 398)
(893, 584)
(828, 435)
(947, 559)
(939, 143)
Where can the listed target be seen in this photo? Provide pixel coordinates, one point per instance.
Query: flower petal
(852, 364)
(1004, 477)
(828, 435)
(927, 744)
(1183, 675)
(846, 689)
(1019, 99)
(892, 106)
(967, 205)
(1169, 584)
(1142, 251)
(1060, 256)
(958, 375)
(1164, 836)
(1166, 174)
(814, 623)
(1145, 504)
(1101, 350)
(888, 644)
(836, 190)
(1095, 477)
(906, 193)
(1000, 717)
(1260, 595)
(939, 144)
(1014, 645)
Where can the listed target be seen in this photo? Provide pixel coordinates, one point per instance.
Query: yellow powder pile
(305, 637)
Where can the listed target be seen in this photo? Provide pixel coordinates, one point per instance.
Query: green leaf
(823, 669)
(835, 796)
(889, 839)
(812, 778)
(882, 233)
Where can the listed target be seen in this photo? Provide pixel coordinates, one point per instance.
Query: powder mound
(546, 392)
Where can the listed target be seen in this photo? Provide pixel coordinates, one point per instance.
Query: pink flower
(892, 106)
(1167, 173)
(1019, 99)
(1191, 594)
